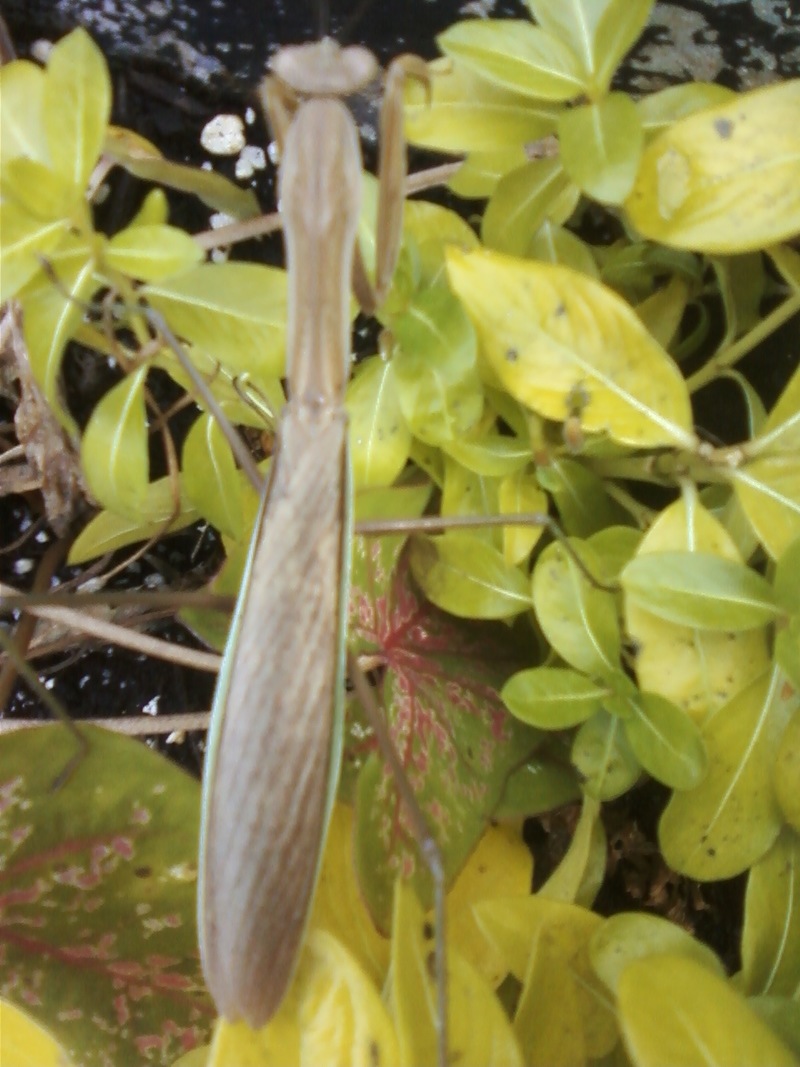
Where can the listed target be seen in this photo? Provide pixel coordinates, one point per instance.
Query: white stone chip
(223, 135)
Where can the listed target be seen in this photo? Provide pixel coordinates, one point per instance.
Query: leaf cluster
(530, 372)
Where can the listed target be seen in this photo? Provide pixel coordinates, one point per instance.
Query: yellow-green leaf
(466, 113)
(527, 196)
(768, 488)
(332, 1013)
(464, 575)
(726, 179)
(379, 435)
(52, 314)
(787, 771)
(673, 1010)
(25, 239)
(500, 866)
(210, 480)
(435, 366)
(578, 619)
(521, 494)
(162, 512)
(76, 106)
(25, 1043)
(603, 755)
(629, 936)
(516, 55)
(698, 670)
(143, 160)
(478, 1028)
(771, 933)
(664, 107)
(730, 820)
(152, 252)
(582, 869)
(548, 332)
(666, 741)
(552, 698)
(235, 312)
(21, 128)
(600, 147)
(114, 450)
(562, 1017)
(700, 589)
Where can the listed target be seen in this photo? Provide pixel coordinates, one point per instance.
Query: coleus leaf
(97, 897)
(456, 741)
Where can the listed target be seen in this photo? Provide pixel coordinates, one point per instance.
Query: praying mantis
(276, 734)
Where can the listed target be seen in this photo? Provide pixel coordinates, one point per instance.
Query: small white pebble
(41, 49)
(220, 219)
(151, 707)
(250, 116)
(23, 566)
(223, 135)
(251, 160)
(219, 255)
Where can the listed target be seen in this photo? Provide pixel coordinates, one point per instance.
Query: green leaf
(546, 333)
(674, 1010)
(556, 244)
(771, 933)
(787, 653)
(210, 480)
(478, 1028)
(562, 1017)
(663, 108)
(787, 767)
(543, 783)
(435, 366)
(536, 192)
(666, 742)
(162, 513)
(552, 698)
(235, 312)
(781, 431)
(466, 113)
(379, 435)
(100, 929)
(618, 27)
(578, 619)
(724, 180)
(700, 589)
(143, 160)
(698, 670)
(152, 252)
(460, 573)
(730, 820)
(52, 315)
(492, 455)
(582, 869)
(580, 495)
(21, 101)
(768, 488)
(114, 449)
(25, 239)
(603, 755)
(629, 936)
(517, 56)
(600, 147)
(521, 494)
(76, 106)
